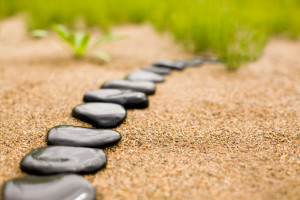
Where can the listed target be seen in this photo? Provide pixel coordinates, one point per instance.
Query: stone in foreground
(157, 70)
(63, 159)
(177, 65)
(66, 187)
(100, 115)
(142, 75)
(127, 98)
(141, 86)
(82, 137)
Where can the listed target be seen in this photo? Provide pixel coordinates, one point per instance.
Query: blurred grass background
(235, 31)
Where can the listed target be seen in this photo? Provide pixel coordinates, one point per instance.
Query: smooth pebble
(55, 187)
(82, 137)
(63, 159)
(100, 115)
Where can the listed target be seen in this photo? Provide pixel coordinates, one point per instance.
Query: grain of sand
(208, 133)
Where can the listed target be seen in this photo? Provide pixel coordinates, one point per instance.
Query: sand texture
(207, 134)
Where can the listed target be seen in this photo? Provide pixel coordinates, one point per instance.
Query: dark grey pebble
(141, 86)
(177, 65)
(82, 137)
(127, 98)
(158, 70)
(55, 187)
(100, 115)
(192, 62)
(180, 63)
(195, 62)
(204, 59)
(142, 75)
(209, 59)
(63, 159)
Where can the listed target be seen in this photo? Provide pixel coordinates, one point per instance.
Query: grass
(234, 30)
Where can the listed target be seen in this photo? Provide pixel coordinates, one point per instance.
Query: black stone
(192, 62)
(201, 60)
(82, 137)
(141, 75)
(101, 115)
(63, 159)
(127, 98)
(158, 70)
(141, 86)
(180, 64)
(195, 62)
(209, 59)
(177, 65)
(55, 187)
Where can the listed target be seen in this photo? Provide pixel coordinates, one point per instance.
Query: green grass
(234, 30)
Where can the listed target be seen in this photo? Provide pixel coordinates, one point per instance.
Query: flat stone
(157, 70)
(209, 59)
(66, 187)
(176, 65)
(100, 115)
(127, 98)
(192, 62)
(195, 62)
(63, 159)
(141, 86)
(181, 64)
(142, 75)
(82, 137)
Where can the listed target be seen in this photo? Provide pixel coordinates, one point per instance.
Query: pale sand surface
(208, 133)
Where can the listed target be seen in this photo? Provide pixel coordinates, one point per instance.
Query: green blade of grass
(62, 31)
(80, 41)
(107, 39)
(102, 55)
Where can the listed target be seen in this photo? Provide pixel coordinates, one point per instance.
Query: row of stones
(78, 150)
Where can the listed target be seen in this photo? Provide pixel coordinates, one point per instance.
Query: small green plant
(80, 42)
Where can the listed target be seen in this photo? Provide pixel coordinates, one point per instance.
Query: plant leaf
(102, 55)
(64, 34)
(80, 41)
(62, 31)
(107, 38)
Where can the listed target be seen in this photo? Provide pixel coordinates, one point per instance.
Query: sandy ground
(208, 133)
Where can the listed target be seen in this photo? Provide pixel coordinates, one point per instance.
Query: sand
(208, 133)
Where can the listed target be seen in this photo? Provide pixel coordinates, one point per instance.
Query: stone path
(70, 146)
